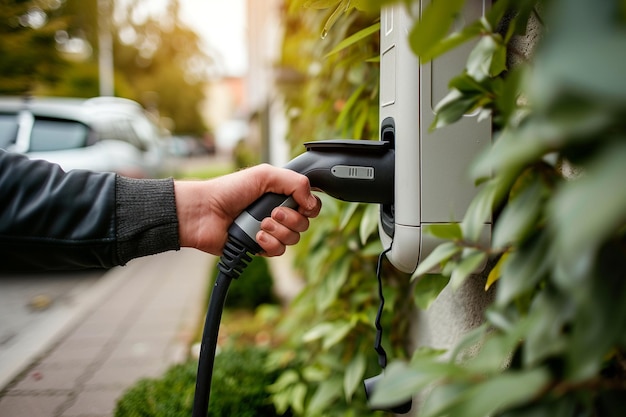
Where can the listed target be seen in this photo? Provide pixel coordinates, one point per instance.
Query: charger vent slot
(387, 211)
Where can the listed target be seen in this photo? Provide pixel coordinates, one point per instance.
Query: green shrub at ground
(239, 389)
(253, 287)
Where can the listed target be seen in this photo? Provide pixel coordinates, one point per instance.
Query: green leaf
(479, 211)
(453, 41)
(353, 39)
(507, 98)
(318, 332)
(354, 375)
(321, 4)
(498, 60)
(348, 106)
(331, 333)
(519, 217)
(428, 288)
(400, 382)
(297, 396)
(342, 7)
(600, 317)
(468, 343)
(496, 271)
(452, 107)
(372, 248)
(346, 215)
(593, 63)
(548, 317)
(444, 397)
(361, 120)
(601, 192)
(515, 148)
(315, 372)
(497, 348)
(370, 5)
(499, 320)
(339, 331)
(524, 268)
(496, 12)
(479, 61)
(435, 23)
(367, 5)
(469, 264)
(500, 392)
(326, 394)
(467, 84)
(333, 283)
(488, 58)
(447, 231)
(369, 222)
(439, 255)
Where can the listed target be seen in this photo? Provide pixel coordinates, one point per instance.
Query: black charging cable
(378, 342)
(234, 260)
(371, 383)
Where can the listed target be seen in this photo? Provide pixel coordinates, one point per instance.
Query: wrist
(187, 212)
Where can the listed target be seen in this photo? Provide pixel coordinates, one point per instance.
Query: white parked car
(107, 134)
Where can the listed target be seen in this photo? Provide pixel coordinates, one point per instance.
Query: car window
(146, 130)
(8, 129)
(118, 129)
(56, 135)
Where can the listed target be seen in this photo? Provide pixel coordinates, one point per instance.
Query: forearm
(50, 219)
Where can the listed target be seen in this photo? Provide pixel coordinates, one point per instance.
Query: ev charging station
(432, 185)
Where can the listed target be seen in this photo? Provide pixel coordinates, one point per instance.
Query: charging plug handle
(346, 169)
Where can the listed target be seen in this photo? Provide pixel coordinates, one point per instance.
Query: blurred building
(248, 107)
(265, 31)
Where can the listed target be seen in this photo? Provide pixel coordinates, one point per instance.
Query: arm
(51, 219)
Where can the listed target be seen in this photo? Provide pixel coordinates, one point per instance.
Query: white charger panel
(432, 185)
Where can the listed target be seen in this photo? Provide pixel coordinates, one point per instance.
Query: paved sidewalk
(140, 323)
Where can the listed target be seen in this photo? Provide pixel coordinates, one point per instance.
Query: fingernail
(280, 216)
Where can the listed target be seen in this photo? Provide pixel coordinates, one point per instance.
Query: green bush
(239, 389)
(330, 86)
(553, 341)
(253, 287)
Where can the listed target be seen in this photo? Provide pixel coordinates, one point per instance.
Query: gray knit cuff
(146, 217)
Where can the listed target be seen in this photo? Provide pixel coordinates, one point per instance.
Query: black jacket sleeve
(51, 219)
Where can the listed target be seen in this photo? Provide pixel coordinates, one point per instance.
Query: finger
(270, 245)
(283, 234)
(290, 219)
(315, 211)
(288, 182)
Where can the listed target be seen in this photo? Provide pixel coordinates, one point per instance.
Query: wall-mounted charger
(432, 184)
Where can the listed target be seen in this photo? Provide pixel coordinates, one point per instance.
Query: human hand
(207, 208)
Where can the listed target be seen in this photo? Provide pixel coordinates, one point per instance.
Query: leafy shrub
(239, 389)
(330, 87)
(253, 287)
(553, 342)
